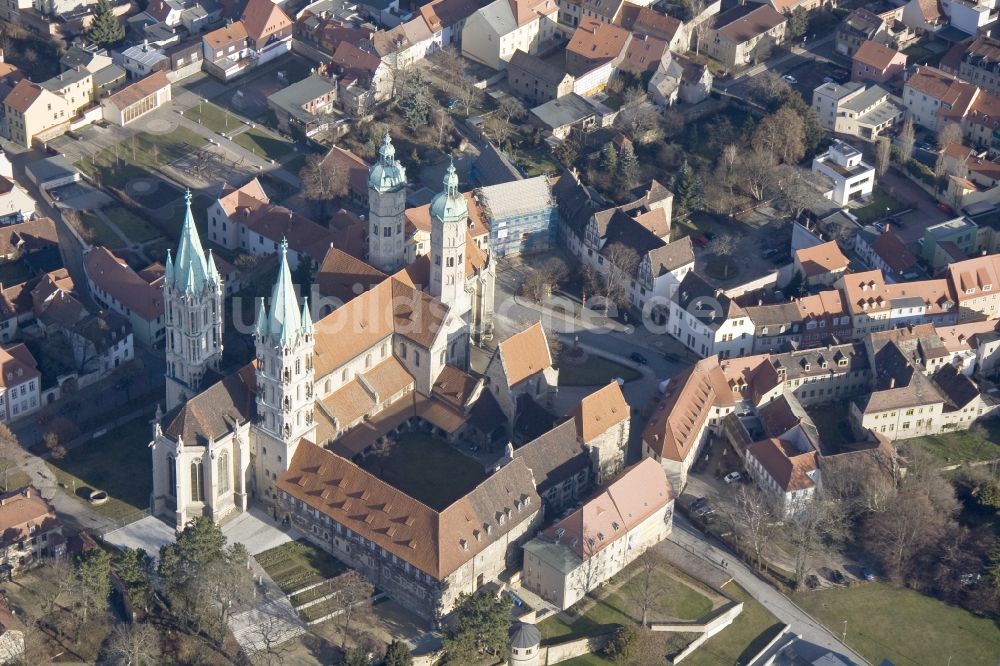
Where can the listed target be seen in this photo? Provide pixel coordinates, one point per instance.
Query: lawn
(296, 564)
(137, 229)
(427, 469)
(99, 232)
(214, 117)
(904, 626)
(876, 209)
(747, 635)
(118, 462)
(595, 371)
(263, 143)
(981, 443)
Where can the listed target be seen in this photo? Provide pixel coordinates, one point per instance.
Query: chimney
(2, 56)
(892, 382)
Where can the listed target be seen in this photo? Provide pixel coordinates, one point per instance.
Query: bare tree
(622, 262)
(727, 163)
(753, 520)
(270, 640)
(59, 573)
(54, 445)
(883, 155)
(949, 134)
(796, 191)
(641, 123)
(757, 173)
(810, 528)
(497, 129)
(648, 588)
(443, 125)
(11, 453)
(782, 134)
(352, 592)
(136, 644)
(907, 139)
(723, 246)
(698, 28)
(322, 180)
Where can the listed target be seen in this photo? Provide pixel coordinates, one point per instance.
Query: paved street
(779, 605)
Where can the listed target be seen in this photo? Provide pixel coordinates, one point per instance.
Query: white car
(791, 79)
(732, 477)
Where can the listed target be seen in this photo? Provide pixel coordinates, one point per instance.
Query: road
(817, 51)
(803, 624)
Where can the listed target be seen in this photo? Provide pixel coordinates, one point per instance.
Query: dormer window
(970, 290)
(987, 287)
(842, 362)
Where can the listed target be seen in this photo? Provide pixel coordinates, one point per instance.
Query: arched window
(197, 488)
(223, 465)
(172, 475)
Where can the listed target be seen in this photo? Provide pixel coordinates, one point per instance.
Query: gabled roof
(742, 28)
(435, 542)
(821, 259)
(17, 365)
(537, 67)
(554, 456)
(114, 276)
(234, 33)
(649, 22)
(23, 96)
(599, 412)
(671, 256)
(876, 55)
(28, 236)
(343, 276)
(22, 512)
(789, 468)
(249, 196)
(597, 42)
(525, 354)
(215, 411)
(440, 14)
(262, 18)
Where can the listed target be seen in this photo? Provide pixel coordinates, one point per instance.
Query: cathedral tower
(284, 341)
(449, 218)
(386, 205)
(193, 302)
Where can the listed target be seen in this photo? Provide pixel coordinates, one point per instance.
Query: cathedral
(394, 352)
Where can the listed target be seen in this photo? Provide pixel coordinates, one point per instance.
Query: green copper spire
(307, 323)
(190, 270)
(285, 320)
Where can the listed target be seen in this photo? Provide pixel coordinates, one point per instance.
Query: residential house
(949, 241)
(885, 251)
(784, 470)
(745, 34)
(405, 44)
(363, 78)
(586, 548)
(76, 86)
(934, 98)
(16, 205)
(862, 25)
(324, 32)
(20, 383)
(446, 19)
(227, 51)
(521, 367)
(643, 56)
(820, 265)
(875, 305)
(560, 117)
(647, 22)
(853, 179)
(186, 59)
(138, 296)
(141, 60)
(537, 81)
(976, 285)
(30, 528)
(855, 109)
(708, 322)
(924, 15)
(678, 78)
(305, 105)
(22, 239)
(980, 64)
(268, 30)
(137, 99)
(876, 63)
(494, 33)
(32, 113)
(594, 44)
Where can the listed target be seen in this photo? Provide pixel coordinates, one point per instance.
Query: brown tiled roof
(436, 543)
(389, 307)
(263, 18)
(17, 365)
(455, 387)
(419, 218)
(876, 55)
(343, 277)
(789, 468)
(525, 354)
(475, 257)
(525, 11)
(599, 412)
(215, 411)
(23, 96)
(140, 90)
(938, 85)
(28, 236)
(441, 14)
(778, 416)
(930, 9)
(348, 404)
(643, 54)
(554, 456)
(975, 277)
(752, 24)
(352, 60)
(115, 277)
(234, 33)
(388, 378)
(648, 21)
(637, 494)
(277, 222)
(251, 196)
(672, 256)
(821, 259)
(894, 252)
(22, 512)
(598, 42)
(685, 407)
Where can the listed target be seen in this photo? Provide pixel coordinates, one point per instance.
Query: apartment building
(708, 322)
(853, 179)
(494, 33)
(858, 110)
(20, 383)
(935, 98)
(876, 63)
(980, 64)
(33, 113)
(745, 34)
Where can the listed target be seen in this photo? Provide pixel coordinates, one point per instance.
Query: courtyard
(579, 368)
(426, 468)
(297, 564)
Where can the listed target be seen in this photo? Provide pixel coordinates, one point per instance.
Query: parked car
(945, 208)
(733, 477)
(840, 75)
(670, 356)
(698, 503)
(704, 511)
(880, 226)
(837, 576)
(868, 575)
(791, 79)
(770, 252)
(638, 358)
(829, 79)
(701, 240)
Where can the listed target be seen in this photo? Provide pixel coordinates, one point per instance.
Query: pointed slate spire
(260, 327)
(306, 325)
(213, 270)
(190, 269)
(284, 319)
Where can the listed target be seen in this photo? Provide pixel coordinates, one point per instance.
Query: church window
(442, 357)
(416, 358)
(298, 366)
(224, 472)
(387, 232)
(197, 489)
(171, 474)
(450, 262)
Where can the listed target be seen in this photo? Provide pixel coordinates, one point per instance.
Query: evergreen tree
(628, 169)
(798, 23)
(609, 158)
(482, 628)
(106, 29)
(397, 654)
(134, 567)
(93, 574)
(689, 190)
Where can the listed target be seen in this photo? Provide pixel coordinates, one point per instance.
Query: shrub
(619, 648)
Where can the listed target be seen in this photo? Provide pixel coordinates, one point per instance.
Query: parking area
(810, 74)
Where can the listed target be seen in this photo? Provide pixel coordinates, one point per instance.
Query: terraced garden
(298, 564)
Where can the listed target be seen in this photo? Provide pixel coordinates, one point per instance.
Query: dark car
(638, 358)
(701, 240)
(837, 576)
(698, 503)
(670, 356)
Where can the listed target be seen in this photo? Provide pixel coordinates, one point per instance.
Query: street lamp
(843, 636)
